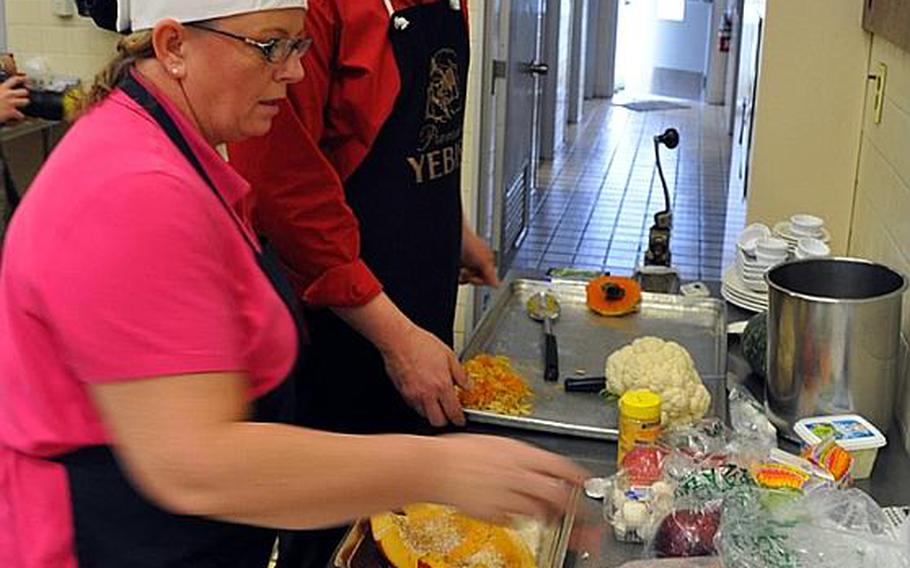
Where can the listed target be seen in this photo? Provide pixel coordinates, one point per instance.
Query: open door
(517, 98)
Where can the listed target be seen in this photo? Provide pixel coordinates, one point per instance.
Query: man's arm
(298, 204)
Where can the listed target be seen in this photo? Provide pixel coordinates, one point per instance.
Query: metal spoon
(544, 307)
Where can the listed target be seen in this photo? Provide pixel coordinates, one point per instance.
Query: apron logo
(439, 141)
(443, 93)
(437, 164)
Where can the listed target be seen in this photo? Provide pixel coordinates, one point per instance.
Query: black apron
(406, 195)
(407, 198)
(114, 525)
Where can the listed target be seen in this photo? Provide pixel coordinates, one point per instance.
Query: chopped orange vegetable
(496, 387)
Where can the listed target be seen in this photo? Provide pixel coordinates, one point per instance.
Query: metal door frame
(492, 137)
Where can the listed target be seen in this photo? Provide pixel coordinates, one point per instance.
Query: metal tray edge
(542, 425)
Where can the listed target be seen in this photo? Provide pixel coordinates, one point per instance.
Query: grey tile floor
(595, 201)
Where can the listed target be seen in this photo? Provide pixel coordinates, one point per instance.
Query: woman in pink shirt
(146, 336)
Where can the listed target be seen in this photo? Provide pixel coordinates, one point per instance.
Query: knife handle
(585, 384)
(551, 359)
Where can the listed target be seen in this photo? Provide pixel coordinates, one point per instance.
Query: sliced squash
(613, 295)
(433, 561)
(387, 532)
(434, 536)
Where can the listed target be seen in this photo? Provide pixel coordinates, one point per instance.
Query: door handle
(538, 68)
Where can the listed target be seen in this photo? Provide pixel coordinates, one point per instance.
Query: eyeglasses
(276, 51)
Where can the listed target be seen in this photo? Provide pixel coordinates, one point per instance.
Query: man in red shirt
(358, 188)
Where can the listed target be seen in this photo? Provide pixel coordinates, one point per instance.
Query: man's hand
(422, 368)
(425, 370)
(478, 266)
(13, 96)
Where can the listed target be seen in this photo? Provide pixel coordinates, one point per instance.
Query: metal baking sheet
(359, 550)
(585, 340)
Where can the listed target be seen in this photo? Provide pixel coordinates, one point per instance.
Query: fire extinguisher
(725, 34)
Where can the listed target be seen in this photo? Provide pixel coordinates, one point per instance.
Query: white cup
(768, 260)
(806, 225)
(771, 246)
(749, 237)
(812, 248)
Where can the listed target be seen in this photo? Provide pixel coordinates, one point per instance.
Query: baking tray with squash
(547, 542)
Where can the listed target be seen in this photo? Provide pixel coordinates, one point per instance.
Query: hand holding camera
(35, 95)
(13, 97)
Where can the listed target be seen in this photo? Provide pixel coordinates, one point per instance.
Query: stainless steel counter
(593, 545)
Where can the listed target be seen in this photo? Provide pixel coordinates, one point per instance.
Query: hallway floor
(596, 200)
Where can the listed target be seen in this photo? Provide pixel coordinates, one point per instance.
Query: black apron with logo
(406, 195)
(115, 526)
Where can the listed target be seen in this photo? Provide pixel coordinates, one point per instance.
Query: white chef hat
(136, 15)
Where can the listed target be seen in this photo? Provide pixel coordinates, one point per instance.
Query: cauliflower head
(663, 367)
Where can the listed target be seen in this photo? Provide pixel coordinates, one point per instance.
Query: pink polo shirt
(120, 265)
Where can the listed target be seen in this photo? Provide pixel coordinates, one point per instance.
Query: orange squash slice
(434, 536)
(613, 295)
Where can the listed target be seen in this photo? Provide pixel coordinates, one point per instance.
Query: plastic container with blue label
(852, 432)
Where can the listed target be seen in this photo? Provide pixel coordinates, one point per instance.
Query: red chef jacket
(325, 130)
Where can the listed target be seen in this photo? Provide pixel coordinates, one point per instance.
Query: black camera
(45, 103)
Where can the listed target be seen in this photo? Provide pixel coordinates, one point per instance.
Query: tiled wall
(72, 46)
(881, 218)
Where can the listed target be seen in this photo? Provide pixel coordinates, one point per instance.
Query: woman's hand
(492, 478)
(13, 96)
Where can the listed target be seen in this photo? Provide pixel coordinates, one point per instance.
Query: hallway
(596, 200)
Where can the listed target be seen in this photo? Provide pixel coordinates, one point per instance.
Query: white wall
(578, 65)
(591, 59)
(808, 118)
(880, 228)
(557, 54)
(684, 45)
(605, 48)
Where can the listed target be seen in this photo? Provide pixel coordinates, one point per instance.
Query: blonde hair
(130, 49)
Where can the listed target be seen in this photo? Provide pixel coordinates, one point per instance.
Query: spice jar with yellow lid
(639, 421)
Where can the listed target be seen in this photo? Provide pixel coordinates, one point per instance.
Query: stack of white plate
(735, 291)
(759, 248)
(802, 226)
(758, 251)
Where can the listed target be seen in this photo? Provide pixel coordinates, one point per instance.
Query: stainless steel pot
(833, 340)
